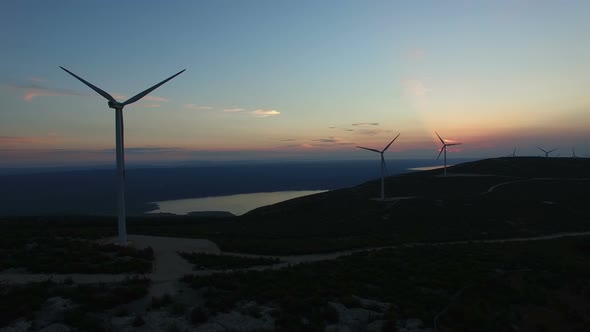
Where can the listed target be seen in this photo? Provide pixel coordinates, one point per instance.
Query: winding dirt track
(169, 266)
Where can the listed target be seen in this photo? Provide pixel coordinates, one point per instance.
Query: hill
(487, 199)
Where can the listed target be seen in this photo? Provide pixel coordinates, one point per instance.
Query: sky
(293, 80)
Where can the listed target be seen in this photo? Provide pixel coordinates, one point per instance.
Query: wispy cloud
(24, 140)
(33, 90)
(155, 99)
(331, 140)
(37, 79)
(234, 110)
(147, 105)
(415, 88)
(265, 113)
(196, 107)
(148, 149)
(345, 129)
(365, 124)
(369, 132)
(255, 113)
(417, 54)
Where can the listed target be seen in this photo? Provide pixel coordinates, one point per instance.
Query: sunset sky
(293, 79)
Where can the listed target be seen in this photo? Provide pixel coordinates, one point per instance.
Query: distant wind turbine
(547, 152)
(513, 154)
(444, 148)
(383, 165)
(574, 153)
(118, 107)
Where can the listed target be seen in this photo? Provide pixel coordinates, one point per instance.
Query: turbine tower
(547, 152)
(444, 148)
(513, 154)
(383, 166)
(574, 153)
(118, 107)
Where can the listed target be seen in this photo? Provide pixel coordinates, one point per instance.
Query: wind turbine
(444, 148)
(383, 166)
(118, 107)
(513, 154)
(574, 153)
(547, 152)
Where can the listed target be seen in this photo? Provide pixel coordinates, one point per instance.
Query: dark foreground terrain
(440, 270)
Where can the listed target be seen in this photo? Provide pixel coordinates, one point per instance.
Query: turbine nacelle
(116, 105)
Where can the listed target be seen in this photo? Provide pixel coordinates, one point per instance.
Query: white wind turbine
(383, 166)
(574, 153)
(118, 107)
(547, 152)
(444, 148)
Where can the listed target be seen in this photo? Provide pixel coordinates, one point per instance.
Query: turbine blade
(441, 150)
(541, 149)
(145, 92)
(451, 144)
(360, 147)
(443, 142)
(552, 150)
(388, 145)
(384, 166)
(98, 90)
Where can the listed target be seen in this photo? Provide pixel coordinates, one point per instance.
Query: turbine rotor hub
(115, 105)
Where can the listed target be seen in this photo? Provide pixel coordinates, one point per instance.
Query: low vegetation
(420, 282)
(43, 254)
(203, 261)
(21, 301)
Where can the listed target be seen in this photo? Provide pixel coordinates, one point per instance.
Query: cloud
(196, 107)
(331, 140)
(121, 97)
(415, 88)
(148, 105)
(417, 54)
(256, 113)
(147, 149)
(369, 132)
(154, 98)
(365, 124)
(265, 113)
(20, 140)
(32, 91)
(287, 140)
(234, 110)
(37, 79)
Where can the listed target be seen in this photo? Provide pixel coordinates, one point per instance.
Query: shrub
(138, 321)
(158, 302)
(198, 315)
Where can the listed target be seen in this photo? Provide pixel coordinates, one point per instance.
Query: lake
(236, 204)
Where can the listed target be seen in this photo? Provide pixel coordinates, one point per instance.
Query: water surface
(236, 204)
